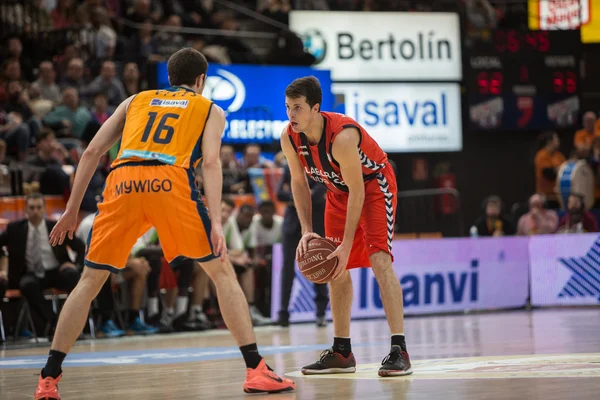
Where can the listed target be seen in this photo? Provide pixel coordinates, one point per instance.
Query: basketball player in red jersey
(335, 150)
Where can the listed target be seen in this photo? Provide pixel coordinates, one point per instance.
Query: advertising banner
(566, 14)
(565, 270)
(253, 97)
(382, 46)
(441, 275)
(406, 117)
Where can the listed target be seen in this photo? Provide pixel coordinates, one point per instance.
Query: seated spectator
(51, 155)
(74, 77)
(14, 49)
(253, 158)
(102, 35)
(18, 103)
(135, 274)
(234, 181)
(140, 45)
(100, 108)
(15, 133)
(107, 82)
(11, 71)
(168, 42)
(131, 79)
(243, 266)
(33, 264)
(547, 162)
(63, 16)
(577, 219)
(70, 117)
(493, 222)
(538, 221)
(584, 137)
(46, 83)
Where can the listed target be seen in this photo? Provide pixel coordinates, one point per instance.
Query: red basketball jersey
(318, 161)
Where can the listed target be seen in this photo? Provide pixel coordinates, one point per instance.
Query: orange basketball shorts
(137, 197)
(375, 231)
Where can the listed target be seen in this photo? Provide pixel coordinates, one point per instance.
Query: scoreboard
(524, 80)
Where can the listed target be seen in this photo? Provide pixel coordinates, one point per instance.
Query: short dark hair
(228, 201)
(44, 133)
(546, 138)
(308, 87)
(34, 196)
(266, 204)
(185, 66)
(246, 207)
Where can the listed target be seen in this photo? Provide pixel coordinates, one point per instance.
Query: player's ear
(316, 108)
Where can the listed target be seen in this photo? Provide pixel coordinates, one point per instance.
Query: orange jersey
(318, 160)
(166, 126)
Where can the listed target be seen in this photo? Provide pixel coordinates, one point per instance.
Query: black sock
(342, 346)
(398, 340)
(251, 356)
(54, 364)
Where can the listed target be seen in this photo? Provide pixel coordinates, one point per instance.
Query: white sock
(181, 305)
(152, 306)
(195, 311)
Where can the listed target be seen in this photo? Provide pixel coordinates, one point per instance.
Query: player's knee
(219, 271)
(381, 262)
(91, 281)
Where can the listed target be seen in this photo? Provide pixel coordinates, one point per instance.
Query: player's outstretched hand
(342, 253)
(218, 241)
(303, 245)
(65, 226)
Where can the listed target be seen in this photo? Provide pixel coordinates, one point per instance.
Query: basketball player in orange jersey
(164, 135)
(359, 216)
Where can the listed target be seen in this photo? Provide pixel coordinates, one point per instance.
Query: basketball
(314, 264)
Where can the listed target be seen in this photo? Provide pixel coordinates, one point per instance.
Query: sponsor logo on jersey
(169, 103)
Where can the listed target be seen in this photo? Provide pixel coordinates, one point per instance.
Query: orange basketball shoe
(262, 379)
(47, 388)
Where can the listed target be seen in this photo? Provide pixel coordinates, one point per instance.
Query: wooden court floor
(547, 354)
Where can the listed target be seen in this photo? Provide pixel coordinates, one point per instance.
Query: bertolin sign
(382, 46)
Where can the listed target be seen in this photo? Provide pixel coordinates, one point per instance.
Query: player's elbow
(92, 152)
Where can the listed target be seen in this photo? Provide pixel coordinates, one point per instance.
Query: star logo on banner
(585, 280)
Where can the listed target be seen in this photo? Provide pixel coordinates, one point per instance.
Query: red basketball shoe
(47, 388)
(262, 379)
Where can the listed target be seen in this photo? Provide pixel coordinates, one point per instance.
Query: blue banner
(253, 97)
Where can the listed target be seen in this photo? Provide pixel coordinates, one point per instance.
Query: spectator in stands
(547, 162)
(74, 76)
(131, 79)
(238, 51)
(51, 155)
(39, 107)
(140, 45)
(493, 222)
(35, 265)
(538, 221)
(584, 137)
(18, 103)
(169, 41)
(277, 10)
(577, 219)
(15, 133)
(12, 70)
(480, 14)
(253, 158)
(108, 83)
(39, 17)
(135, 275)
(70, 117)
(140, 14)
(63, 16)
(103, 35)
(246, 273)
(14, 49)
(46, 82)
(84, 11)
(233, 177)
(100, 109)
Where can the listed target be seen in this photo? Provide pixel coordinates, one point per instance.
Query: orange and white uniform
(152, 182)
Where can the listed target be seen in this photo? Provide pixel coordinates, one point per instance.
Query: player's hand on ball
(65, 226)
(303, 245)
(342, 253)
(218, 241)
